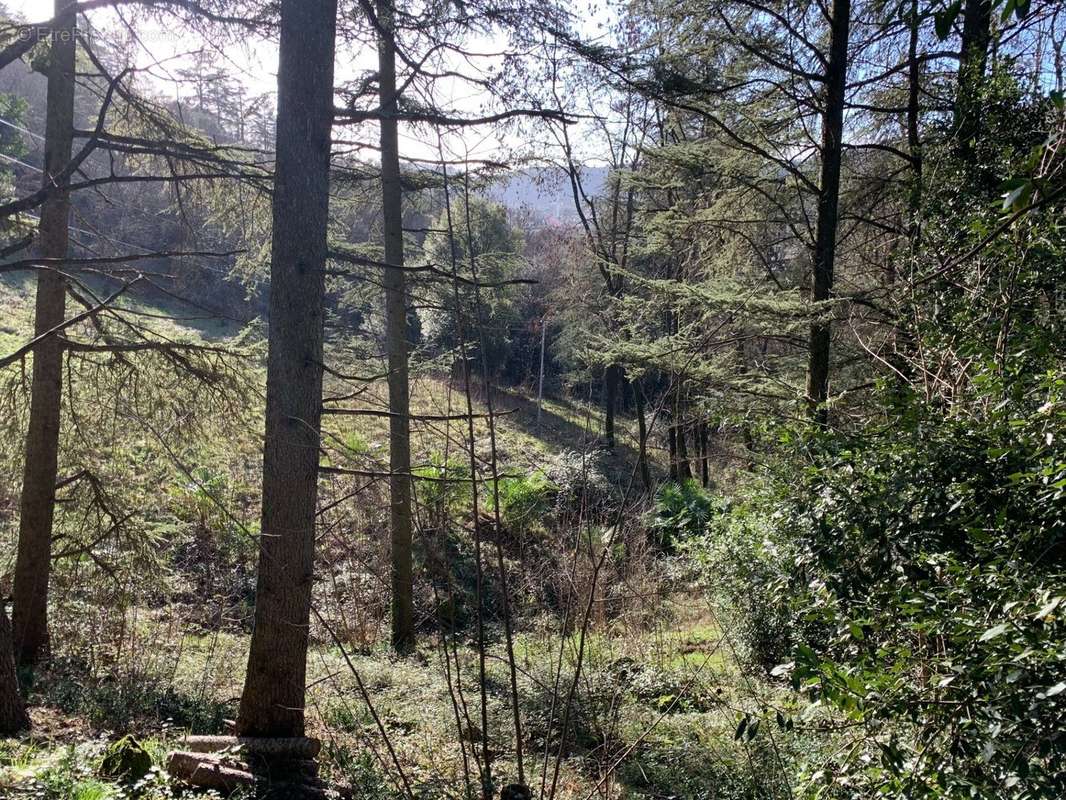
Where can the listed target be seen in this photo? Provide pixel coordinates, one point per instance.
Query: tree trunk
(684, 469)
(274, 690)
(900, 342)
(642, 435)
(403, 624)
(37, 505)
(828, 201)
(540, 374)
(749, 445)
(671, 435)
(13, 717)
(705, 467)
(914, 141)
(612, 379)
(973, 56)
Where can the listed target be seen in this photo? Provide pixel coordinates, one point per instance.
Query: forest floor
(653, 712)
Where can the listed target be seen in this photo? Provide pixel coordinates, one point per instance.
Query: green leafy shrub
(445, 485)
(594, 712)
(583, 489)
(681, 512)
(690, 768)
(356, 444)
(935, 558)
(360, 771)
(674, 691)
(349, 717)
(745, 559)
(126, 760)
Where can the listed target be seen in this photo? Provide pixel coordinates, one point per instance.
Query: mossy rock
(126, 760)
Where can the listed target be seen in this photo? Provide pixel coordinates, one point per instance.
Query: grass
(523, 442)
(162, 674)
(630, 680)
(16, 310)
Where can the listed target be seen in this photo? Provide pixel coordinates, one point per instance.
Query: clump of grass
(525, 501)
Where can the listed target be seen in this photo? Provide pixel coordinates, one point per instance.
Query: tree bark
(37, 504)
(828, 203)
(900, 342)
(540, 374)
(684, 469)
(671, 436)
(274, 691)
(914, 90)
(705, 467)
(13, 717)
(403, 625)
(973, 57)
(642, 435)
(612, 379)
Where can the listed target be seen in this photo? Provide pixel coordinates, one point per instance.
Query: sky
(253, 63)
(164, 50)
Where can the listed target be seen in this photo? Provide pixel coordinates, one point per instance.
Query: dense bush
(918, 577)
(526, 501)
(130, 702)
(698, 770)
(938, 556)
(745, 559)
(908, 569)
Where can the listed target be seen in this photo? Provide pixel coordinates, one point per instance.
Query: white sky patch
(161, 53)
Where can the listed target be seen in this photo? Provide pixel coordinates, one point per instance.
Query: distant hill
(544, 192)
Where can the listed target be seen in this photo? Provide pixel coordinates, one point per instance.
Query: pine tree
(274, 691)
(403, 633)
(37, 508)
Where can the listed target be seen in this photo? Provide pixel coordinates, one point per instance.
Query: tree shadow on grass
(561, 432)
(128, 703)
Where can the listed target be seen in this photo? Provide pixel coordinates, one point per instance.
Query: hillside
(175, 661)
(526, 401)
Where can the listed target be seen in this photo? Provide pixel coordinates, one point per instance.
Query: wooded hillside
(480, 399)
